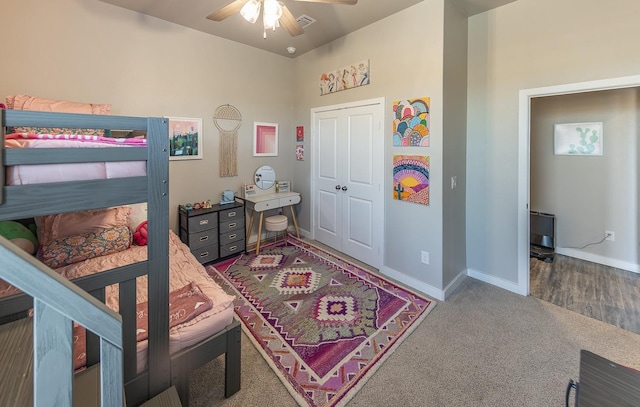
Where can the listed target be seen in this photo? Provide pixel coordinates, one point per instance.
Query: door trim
(312, 187)
(524, 125)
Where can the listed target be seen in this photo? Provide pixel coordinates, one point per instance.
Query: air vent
(304, 20)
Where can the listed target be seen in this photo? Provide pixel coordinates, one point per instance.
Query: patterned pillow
(74, 249)
(59, 226)
(34, 103)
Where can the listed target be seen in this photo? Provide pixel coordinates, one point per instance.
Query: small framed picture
(579, 139)
(265, 139)
(185, 138)
(300, 134)
(299, 152)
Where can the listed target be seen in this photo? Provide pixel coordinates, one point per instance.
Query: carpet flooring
(323, 324)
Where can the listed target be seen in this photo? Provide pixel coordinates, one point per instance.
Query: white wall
(589, 195)
(89, 51)
(522, 45)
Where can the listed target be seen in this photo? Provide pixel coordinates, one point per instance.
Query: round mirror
(265, 177)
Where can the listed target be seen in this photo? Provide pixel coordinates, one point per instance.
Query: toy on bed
(19, 235)
(140, 235)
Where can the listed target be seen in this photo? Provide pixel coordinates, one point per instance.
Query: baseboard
(451, 287)
(595, 258)
(497, 281)
(413, 283)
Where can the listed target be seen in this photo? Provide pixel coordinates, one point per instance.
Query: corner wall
(527, 44)
(405, 51)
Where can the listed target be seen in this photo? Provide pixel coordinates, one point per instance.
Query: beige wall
(405, 52)
(523, 45)
(89, 51)
(589, 195)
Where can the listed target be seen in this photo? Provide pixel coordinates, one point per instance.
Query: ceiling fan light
(272, 9)
(270, 22)
(251, 11)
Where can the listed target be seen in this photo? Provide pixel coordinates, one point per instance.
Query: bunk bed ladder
(56, 304)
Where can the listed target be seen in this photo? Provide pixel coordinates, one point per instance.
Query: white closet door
(349, 176)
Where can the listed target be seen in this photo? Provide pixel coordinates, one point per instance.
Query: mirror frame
(265, 132)
(258, 178)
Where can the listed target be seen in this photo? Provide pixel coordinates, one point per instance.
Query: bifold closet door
(349, 172)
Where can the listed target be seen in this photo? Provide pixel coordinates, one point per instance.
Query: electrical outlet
(425, 257)
(611, 236)
(454, 182)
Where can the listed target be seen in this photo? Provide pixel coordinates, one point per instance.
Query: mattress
(45, 173)
(184, 269)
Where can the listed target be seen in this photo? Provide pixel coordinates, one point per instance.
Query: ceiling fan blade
(289, 22)
(227, 10)
(348, 2)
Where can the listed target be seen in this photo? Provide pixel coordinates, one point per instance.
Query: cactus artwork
(411, 178)
(578, 139)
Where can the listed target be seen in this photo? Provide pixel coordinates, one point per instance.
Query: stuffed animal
(19, 235)
(140, 235)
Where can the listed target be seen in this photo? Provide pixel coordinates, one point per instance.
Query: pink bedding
(184, 269)
(44, 173)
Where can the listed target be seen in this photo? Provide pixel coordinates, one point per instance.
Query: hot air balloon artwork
(411, 123)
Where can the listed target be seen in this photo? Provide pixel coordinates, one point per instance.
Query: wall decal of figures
(345, 78)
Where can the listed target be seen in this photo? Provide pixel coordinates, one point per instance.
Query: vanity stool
(276, 223)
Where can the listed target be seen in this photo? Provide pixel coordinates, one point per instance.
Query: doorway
(347, 176)
(524, 158)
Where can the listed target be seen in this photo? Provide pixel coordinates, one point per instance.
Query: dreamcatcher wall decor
(228, 120)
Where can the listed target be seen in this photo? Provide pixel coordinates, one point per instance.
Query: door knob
(337, 186)
(344, 188)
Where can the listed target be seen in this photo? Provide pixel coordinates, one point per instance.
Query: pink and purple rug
(324, 324)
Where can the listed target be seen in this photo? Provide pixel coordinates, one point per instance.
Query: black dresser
(213, 233)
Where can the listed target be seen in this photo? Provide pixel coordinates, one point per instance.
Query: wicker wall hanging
(228, 120)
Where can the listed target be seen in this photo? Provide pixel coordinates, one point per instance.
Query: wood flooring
(601, 292)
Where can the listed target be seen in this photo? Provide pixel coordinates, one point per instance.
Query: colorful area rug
(324, 324)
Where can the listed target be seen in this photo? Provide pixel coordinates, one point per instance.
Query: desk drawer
(266, 205)
(203, 222)
(207, 253)
(291, 200)
(201, 239)
(232, 248)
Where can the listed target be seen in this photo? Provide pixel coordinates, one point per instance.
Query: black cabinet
(213, 233)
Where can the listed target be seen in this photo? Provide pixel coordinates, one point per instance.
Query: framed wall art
(185, 138)
(581, 139)
(265, 139)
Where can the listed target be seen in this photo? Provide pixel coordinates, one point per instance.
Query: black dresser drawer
(207, 253)
(201, 239)
(231, 248)
(231, 214)
(203, 222)
(233, 236)
(236, 224)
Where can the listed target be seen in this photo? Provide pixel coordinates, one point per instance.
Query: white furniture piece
(264, 202)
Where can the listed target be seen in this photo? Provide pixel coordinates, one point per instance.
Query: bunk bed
(157, 362)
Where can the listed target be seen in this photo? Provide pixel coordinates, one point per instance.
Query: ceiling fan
(274, 13)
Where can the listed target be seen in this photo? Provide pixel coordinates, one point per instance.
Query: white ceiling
(333, 21)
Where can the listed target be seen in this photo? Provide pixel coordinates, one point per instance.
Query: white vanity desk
(267, 201)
